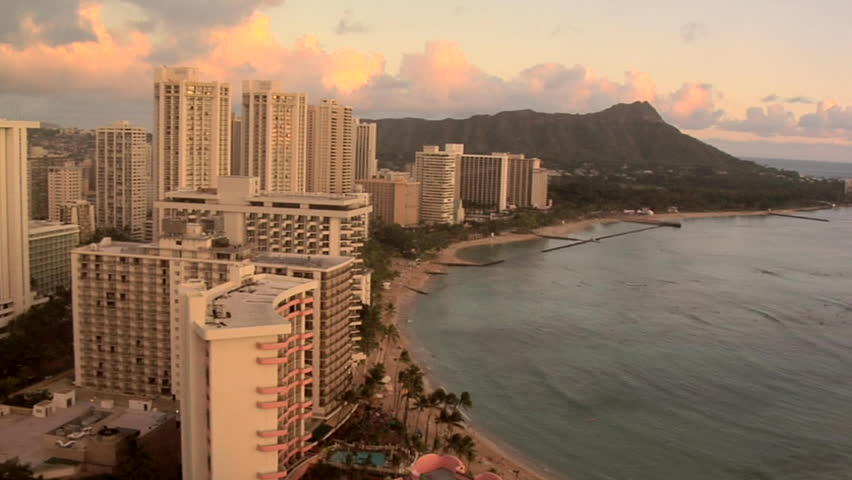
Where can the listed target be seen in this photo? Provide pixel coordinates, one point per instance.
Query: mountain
(633, 134)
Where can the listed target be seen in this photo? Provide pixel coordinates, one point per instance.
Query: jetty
(802, 217)
(470, 264)
(557, 237)
(421, 292)
(595, 240)
(436, 272)
(651, 221)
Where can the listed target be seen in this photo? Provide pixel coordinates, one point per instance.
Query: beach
(491, 455)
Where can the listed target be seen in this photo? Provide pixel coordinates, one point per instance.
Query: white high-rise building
(64, 185)
(274, 136)
(121, 171)
(439, 172)
(192, 129)
(331, 148)
(15, 294)
(366, 163)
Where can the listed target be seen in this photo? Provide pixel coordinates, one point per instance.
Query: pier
(801, 217)
(651, 221)
(598, 239)
(421, 292)
(470, 264)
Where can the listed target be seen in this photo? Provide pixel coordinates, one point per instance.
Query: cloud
(829, 120)
(691, 32)
(766, 122)
(772, 98)
(52, 23)
(692, 106)
(348, 24)
(806, 100)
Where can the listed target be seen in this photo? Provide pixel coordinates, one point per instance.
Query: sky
(755, 77)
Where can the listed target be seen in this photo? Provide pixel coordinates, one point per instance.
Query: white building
(439, 174)
(64, 185)
(192, 130)
(122, 183)
(274, 136)
(50, 255)
(15, 294)
(247, 382)
(331, 148)
(366, 162)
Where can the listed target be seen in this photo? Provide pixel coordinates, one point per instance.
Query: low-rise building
(395, 198)
(50, 255)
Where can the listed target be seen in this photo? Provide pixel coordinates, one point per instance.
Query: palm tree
(463, 446)
(465, 401)
(436, 399)
(391, 333)
(404, 356)
(451, 401)
(422, 402)
(450, 419)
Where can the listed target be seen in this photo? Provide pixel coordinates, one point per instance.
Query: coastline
(491, 454)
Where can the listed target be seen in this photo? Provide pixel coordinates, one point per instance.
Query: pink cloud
(692, 106)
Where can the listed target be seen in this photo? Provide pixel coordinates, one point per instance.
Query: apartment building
(331, 148)
(50, 255)
(237, 145)
(248, 376)
(64, 185)
(366, 162)
(127, 331)
(192, 129)
(82, 214)
(305, 223)
(15, 293)
(484, 183)
(527, 182)
(121, 166)
(395, 198)
(274, 138)
(439, 172)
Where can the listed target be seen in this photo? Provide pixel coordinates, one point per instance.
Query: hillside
(633, 134)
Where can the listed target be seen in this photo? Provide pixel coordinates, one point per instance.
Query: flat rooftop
(252, 305)
(41, 227)
(321, 262)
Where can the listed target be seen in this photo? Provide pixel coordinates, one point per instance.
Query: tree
(137, 465)
(465, 401)
(12, 469)
(463, 446)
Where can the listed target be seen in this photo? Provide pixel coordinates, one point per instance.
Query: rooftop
(253, 304)
(42, 227)
(322, 262)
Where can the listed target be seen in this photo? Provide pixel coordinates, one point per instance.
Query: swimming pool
(375, 459)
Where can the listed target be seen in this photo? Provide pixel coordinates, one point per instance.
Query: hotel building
(15, 294)
(484, 183)
(395, 198)
(438, 172)
(192, 130)
(248, 378)
(527, 182)
(50, 255)
(236, 145)
(366, 163)
(127, 332)
(274, 138)
(64, 185)
(331, 148)
(121, 166)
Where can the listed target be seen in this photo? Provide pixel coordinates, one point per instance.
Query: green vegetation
(14, 470)
(27, 400)
(40, 343)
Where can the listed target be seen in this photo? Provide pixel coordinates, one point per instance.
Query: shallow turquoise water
(722, 350)
(376, 459)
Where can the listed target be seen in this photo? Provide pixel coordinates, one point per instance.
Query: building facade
(248, 379)
(237, 167)
(395, 199)
(15, 293)
(484, 183)
(64, 185)
(275, 135)
(121, 166)
(82, 214)
(366, 162)
(50, 255)
(439, 172)
(192, 130)
(527, 182)
(331, 148)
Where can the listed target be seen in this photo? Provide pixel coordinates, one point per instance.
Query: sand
(491, 455)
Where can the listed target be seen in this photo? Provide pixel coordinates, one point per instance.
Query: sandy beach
(491, 454)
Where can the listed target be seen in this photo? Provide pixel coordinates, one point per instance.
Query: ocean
(808, 168)
(721, 350)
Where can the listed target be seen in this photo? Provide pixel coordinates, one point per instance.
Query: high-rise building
(366, 163)
(248, 377)
(122, 183)
(305, 223)
(331, 148)
(237, 145)
(395, 198)
(438, 172)
(82, 214)
(192, 129)
(64, 185)
(527, 182)
(127, 333)
(274, 136)
(15, 293)
(484, 183)
(50, 255)
(37, 165)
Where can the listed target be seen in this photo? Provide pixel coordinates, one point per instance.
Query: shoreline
(491, 452)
